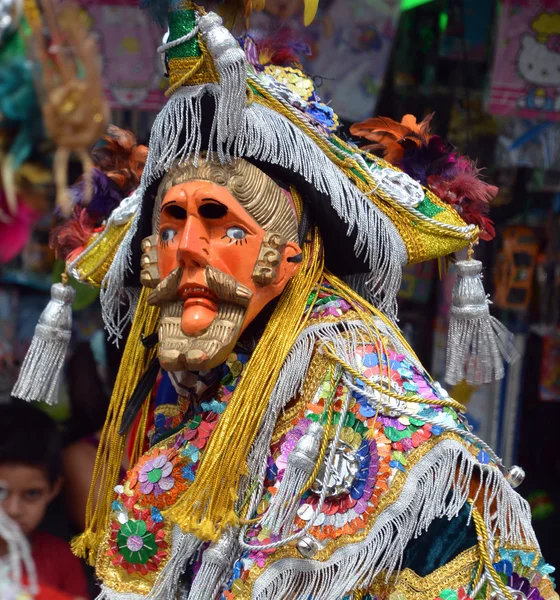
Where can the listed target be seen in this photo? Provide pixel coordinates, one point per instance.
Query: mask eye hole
(176, 212)
(212, 210)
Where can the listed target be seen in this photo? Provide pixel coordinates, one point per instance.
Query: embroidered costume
(299, 450)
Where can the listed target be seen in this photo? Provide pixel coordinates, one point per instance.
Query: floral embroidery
(155, 476)
(138, 545)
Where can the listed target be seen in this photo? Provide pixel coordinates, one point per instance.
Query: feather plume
(72, 234)
(105, 197)
(391, 138)
(119, 156)
(435, 157)
(279, 47)
(467, 194)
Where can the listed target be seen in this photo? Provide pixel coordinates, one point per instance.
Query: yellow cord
(207, 506)
(326, 433)
(111, 444)
(482, 536)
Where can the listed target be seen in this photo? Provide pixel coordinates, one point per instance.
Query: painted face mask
(224, 243)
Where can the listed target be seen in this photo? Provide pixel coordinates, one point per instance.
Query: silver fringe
(477, 343)
(437, 486)
(41, 371)
(216, 566)
(231, 65)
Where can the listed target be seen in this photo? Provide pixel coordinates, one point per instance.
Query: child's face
(27, 492)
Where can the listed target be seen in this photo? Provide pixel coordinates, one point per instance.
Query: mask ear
(289, 266)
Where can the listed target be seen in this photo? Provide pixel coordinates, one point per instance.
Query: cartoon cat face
(537, 64)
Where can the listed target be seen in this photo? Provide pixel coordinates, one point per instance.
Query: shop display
(298, 446)
(284, 439)
(526, 76)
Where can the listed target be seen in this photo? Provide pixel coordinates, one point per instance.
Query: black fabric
(443, 541)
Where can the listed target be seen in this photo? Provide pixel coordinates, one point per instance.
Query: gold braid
(482, 536)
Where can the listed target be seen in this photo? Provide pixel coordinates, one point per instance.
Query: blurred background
(489, 70)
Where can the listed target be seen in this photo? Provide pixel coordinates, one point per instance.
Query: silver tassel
(477, 343)
(301, 462)
(231, 65)
(41, 371)
(216, 566)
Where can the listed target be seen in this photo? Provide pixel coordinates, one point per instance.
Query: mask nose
(193, 251)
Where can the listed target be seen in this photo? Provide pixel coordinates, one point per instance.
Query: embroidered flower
(155, 476)
(136, 543)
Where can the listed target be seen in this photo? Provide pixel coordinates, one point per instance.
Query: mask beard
(180, 352)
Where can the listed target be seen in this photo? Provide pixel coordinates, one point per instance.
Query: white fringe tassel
(437, 486)
(216, 566)
(478, 343)
(41, 371)
(282, 511)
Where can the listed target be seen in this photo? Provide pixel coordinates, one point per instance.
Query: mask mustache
(226, 288)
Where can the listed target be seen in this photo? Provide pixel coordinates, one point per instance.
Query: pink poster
(128, 41)
(526, 77)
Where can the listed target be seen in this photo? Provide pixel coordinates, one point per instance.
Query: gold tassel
(207, 507)
(111, 445)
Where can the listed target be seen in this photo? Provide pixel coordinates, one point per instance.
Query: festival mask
(224, 245)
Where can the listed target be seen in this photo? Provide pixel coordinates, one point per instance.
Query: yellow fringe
(207, 507)
(111, 445)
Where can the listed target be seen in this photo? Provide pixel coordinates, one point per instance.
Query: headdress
(367, 219)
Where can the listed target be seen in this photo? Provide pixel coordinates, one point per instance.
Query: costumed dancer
(299, 449)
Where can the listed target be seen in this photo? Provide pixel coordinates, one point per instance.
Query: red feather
(468, 195)
(72, 234)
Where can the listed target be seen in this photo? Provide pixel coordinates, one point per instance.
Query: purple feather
(106, 195)
(436, 158)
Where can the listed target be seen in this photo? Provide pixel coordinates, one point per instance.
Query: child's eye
(236, 234)
(167, 235)
(33, 494)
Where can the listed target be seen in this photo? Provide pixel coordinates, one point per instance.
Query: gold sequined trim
(96, 259)
(453, 575)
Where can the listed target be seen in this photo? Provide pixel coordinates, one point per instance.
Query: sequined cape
(398, 520)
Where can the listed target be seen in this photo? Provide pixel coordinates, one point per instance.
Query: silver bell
(515, 476)
(308, 546)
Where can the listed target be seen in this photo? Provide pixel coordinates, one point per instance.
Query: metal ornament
(515, 476)
(343, 473)
(308, 546)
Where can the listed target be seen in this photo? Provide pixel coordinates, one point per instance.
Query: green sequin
(182, 22)
(428, 208)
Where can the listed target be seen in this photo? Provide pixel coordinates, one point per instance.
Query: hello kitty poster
(526, 74)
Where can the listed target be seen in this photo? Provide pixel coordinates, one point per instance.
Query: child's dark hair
(30, 437)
